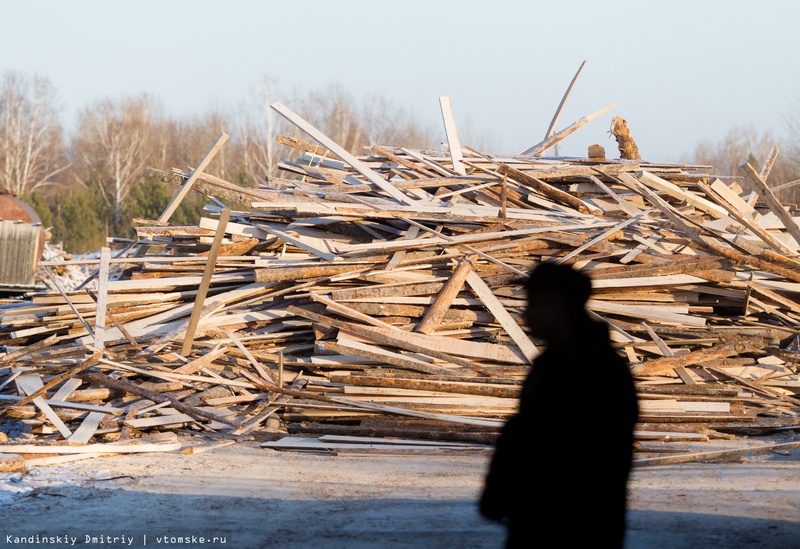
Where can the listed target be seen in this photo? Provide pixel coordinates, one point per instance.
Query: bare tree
(385, 123)
(258, 128)
(113, 146)
(334, 111)
(31, 150)
(744, 144)
(739, 145)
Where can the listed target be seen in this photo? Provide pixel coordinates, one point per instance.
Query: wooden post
(205, 282)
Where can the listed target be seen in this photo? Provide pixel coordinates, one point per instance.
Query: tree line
(93, 183)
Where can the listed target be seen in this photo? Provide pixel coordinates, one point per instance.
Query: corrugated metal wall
(19, 247)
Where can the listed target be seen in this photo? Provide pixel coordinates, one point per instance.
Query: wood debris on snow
(375, 301)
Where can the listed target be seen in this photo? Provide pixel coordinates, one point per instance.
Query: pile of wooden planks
(375, 302)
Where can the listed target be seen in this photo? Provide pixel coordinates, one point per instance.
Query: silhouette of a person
(558, 476)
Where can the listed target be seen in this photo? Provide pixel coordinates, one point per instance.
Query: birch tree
(31, 151)
(113, 147)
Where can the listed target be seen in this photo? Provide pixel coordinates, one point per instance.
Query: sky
(680, 72)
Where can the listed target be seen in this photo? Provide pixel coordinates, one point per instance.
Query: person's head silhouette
(557, 296)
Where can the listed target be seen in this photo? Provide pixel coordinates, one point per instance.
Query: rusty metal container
(22, 240)
(14, 209)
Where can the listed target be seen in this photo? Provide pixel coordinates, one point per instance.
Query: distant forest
(95, 183)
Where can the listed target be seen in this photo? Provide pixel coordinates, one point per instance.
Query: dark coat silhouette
(559, 473)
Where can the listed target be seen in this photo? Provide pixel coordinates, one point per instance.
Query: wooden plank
(158, 421)
(202, 291)
(30, 349)
(454, 145)
(603, 236)
(29, 384)
(723, 350)
(202, 361)
(552, 128)
(110, 448)
(625, 205)
(265, 376)
(383, 356)
(43, 388)
(747, 222)
(102, 298)
(766, 194)
(74, 405)
(666, 351)
(331, 145)
(67, 389)
(299, 242)
(419, 343)
(187, 186)
(741, 205)
(548, 190)
(661, 314)
(458, 347)
(466, 420)
(681, 406)
(664, 186)
(540, 148)
(508, 323)
(402, 441)
(715, 454)
(304, 443)
(85, 432)
(436, 312)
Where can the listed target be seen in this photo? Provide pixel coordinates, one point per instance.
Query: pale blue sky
(681, 71)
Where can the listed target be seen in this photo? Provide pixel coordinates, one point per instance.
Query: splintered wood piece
(625, 143)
